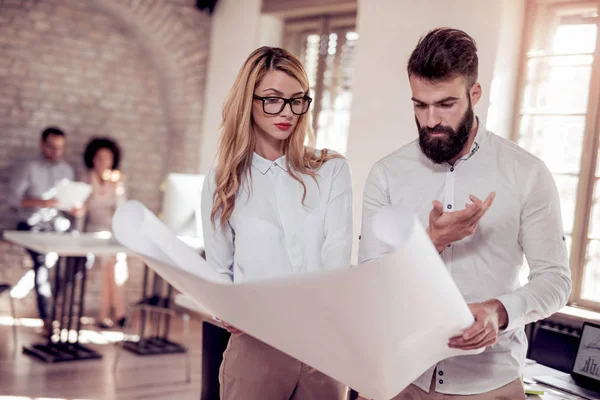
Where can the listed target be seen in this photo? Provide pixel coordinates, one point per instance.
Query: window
(558, 120)
(327, 47)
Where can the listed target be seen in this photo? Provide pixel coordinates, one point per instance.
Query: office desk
(533, 369)
(72, 250)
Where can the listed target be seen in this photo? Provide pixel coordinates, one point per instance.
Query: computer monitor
(584, 379)
(181, 204)
(586, 366)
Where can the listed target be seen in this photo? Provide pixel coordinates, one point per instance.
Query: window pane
(594, 230)
(558, 85)
(567, 190)
(555, 139)
(310, 57)
(575, 39)
(334, 118)
(591, 274)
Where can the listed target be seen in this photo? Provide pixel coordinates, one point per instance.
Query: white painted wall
(506, 69)
(270, 31)
(238, 28)
(382, 118)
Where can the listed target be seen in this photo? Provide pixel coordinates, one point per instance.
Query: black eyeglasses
(274, 105)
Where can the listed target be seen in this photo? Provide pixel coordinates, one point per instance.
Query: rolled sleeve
(542, 238)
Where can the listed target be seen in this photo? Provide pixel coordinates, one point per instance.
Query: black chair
(5, 287)
(554, 345)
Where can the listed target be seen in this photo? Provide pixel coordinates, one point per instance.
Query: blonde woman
(273, 207)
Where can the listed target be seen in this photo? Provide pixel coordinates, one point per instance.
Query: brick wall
(130, 69)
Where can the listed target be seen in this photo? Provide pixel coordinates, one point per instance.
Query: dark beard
(443, 149)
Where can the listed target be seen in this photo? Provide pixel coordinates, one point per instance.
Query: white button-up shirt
(271, 233)
(37, 179)
(525, 219)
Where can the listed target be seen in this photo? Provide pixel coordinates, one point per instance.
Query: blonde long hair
(236, 146)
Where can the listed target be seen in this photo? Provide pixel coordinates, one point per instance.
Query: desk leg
(73, 286)
(83, 268)
(63, 350)
(153, 338)
(60, 262)
(66, 284)
(165, 334)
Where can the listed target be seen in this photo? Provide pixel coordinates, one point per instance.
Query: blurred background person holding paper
(455, 162)
(273, 207)
(32, 195)
(102, 157)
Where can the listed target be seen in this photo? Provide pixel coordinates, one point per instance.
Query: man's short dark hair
(443, 54)
(51, 130)
(96, 144)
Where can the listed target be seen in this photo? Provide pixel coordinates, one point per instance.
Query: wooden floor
(138, 377)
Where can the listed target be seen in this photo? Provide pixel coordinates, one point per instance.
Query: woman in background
(273, 207)
(102, 157)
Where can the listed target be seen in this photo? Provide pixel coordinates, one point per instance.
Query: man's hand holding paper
(490, 316)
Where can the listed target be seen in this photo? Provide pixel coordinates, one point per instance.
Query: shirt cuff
(515, 309)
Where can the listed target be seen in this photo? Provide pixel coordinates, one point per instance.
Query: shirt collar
(263, 165)
(480, 137)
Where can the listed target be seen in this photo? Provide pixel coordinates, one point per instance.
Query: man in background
(32, 196)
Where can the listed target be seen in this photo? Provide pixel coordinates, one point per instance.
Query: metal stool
(157, 343)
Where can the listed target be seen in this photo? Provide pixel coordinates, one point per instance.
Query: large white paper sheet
(375, 327)
(71, 194)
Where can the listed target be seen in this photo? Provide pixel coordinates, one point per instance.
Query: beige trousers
(512, 391)
(253, 370)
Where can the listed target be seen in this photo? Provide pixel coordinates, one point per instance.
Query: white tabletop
(67, 244)
(533, 369)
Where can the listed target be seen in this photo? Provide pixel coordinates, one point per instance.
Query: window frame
(297, 28)
(591, 139)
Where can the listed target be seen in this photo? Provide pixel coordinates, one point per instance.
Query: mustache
(425, 131)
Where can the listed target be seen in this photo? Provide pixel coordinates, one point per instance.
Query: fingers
(231, 329)
(478, 208)
(489, 200)
(438, 209)
(489, 338)
(478, 327)
(460, 341)
(484, 207)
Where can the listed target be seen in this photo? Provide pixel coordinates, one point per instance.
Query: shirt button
(441, 373)
(451, 169)
(441, 381)
(449, 206)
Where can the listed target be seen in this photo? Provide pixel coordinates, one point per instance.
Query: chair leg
(14, 321)
(188, 361)
(126, 332)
